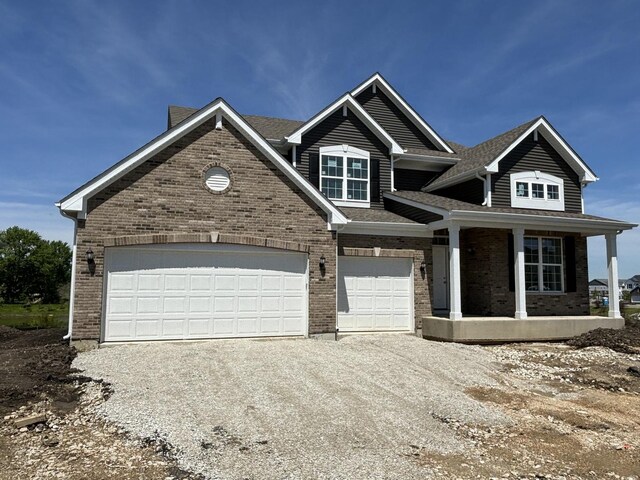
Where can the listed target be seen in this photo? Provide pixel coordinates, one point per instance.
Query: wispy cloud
(42, 218)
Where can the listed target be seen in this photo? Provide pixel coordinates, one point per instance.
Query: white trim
(77, 201)
(388, 229)
(377, 80)
(345, 152)
(455, 290)
(529, 201)
(519, 274)
(346, 101)
(542, 126)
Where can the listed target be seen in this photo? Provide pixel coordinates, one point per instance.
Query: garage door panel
(203, 291)
(374, 293)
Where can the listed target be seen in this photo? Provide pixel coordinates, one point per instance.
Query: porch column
(455, 312)
(612, 264)
(518, 257)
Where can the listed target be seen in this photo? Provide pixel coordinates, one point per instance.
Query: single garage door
(374, 294)
(203, 291)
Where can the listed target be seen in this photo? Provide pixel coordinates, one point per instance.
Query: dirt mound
(625, 340)
(34, 365)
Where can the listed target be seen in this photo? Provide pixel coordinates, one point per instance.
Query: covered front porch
(512, 274)
(472, 329)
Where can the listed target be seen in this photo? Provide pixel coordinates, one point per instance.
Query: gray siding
(337, 130)
(391, 118)
(412, 213)
(413, 180)
(528, 156)
(471, 191)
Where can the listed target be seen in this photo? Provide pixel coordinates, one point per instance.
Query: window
(344, 175)
(537, 190)
(543, 264)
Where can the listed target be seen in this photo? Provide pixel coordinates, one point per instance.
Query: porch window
(543, 264)
(344, 175)
(537, 190)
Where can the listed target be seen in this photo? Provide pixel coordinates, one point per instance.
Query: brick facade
(485, 277)
(417, 248)
(165, 198)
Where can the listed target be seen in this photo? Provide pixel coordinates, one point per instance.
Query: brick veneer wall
(485, 277)
(417, 248)
(166, 195)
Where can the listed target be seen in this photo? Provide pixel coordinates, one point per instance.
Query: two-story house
(360, 219)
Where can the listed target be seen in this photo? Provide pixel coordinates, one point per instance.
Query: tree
(31, 267)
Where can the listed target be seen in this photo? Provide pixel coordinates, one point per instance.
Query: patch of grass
(34, 316)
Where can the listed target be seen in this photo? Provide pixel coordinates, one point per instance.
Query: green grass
(34, 316)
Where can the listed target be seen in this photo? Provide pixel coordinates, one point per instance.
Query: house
(599, 287)
(634, 295)
(360, 219)
(630, 283)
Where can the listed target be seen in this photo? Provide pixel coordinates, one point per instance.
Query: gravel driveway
(357, 408)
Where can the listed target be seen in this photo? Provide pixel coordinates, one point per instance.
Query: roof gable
(347, 102)
(379, 82)
(485, 157)
(76, 202)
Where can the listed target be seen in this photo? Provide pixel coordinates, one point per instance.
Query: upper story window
(537, 190)
(344, 175)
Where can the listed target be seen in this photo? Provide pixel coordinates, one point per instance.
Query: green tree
(31, 267)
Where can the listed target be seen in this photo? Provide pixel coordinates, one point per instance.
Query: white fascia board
(77, 203)
(421, 206)
(404, 106)
(348, 101)
(387, 229)
(557, 142)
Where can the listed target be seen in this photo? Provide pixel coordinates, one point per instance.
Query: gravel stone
(358, 408)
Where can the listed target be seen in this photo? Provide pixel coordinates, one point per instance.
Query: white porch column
(518, 260)
(455, 295)
(612, 264)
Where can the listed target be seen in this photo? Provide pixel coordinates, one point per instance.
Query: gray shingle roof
(457, 147)
(481, 155)
(269, 127)
(373, 215)
(431, 153)
(450, 204)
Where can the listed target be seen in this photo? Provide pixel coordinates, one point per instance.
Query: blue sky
(83, 84)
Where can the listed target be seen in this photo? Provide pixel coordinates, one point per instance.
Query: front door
(440, 277)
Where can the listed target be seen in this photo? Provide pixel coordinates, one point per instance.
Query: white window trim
(540, 265)
(537, 203)
(345, 151)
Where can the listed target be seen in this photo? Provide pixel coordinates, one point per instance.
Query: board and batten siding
(471, 191)
(529, 156)
(413, 180)
(337, 129)
(393, 120)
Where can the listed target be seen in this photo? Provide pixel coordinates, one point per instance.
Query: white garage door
(203, 291)
(375, 293)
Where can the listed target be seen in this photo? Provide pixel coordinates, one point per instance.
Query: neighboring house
(598, 286)
(360, 219)
(630, 283)
(634, 295)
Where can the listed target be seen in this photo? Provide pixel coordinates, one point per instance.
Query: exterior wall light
(423, 266)
(323, 265)
(91, 262)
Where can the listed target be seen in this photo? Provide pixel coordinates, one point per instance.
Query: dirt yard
(574, 410)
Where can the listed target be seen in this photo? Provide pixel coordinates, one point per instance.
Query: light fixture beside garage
(323, 265)
(91, 262)
(423, 266)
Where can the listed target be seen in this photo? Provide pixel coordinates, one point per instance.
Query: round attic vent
(217, 179)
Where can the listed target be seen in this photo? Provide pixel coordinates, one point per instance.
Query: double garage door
(204, 291)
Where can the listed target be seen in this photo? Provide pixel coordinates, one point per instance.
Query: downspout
(486, 180)
(393, 176)
(72, 288)
(338, 230)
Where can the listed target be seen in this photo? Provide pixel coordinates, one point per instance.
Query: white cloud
(42, 218)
